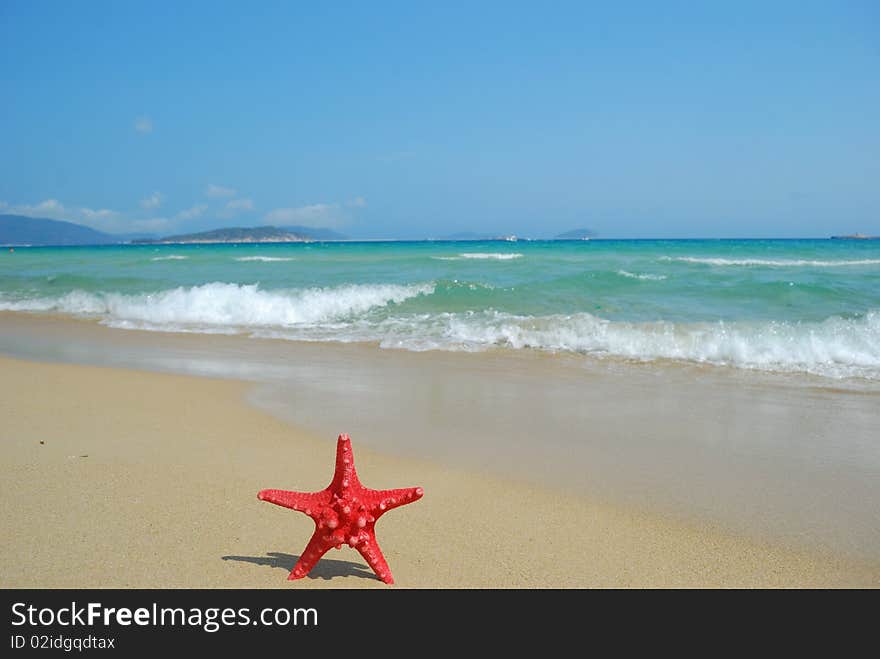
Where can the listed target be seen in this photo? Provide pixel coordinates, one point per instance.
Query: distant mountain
(576, 234)
(316, 234)
(21, 230)
(264, 234)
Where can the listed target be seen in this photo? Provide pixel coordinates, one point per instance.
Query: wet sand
(118, 477)
(785, 458)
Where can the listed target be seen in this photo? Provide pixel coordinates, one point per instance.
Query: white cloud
(235, 207)
(143, 124)
(335, 214)
(240, 205)
(90, 216)
(153, 201)
(191, 213)
(52, 209)
(218, 191)
(315, 215)
(151, 225)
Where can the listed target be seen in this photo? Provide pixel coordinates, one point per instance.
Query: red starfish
(345, 512)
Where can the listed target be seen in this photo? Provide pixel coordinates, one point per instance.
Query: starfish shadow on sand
(326, 568)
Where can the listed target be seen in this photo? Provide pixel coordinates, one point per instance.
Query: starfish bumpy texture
(345, 512)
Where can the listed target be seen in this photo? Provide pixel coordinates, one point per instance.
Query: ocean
(793, 306)
(722, 381)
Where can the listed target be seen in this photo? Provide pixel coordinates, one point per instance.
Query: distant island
(855, 236)
(576, 234)
(19, 230)
(316, 233)
(262, 234)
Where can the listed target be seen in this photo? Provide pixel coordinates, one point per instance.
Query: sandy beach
(124, 478)
(597, 279)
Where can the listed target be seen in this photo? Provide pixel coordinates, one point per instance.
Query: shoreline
(791, 461)
(167, 498)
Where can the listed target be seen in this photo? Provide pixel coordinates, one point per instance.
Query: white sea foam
(495, 256)
(170, 257)
(225, 305)
(75, 302)
(836, 347)
(633, 275)
(776, 263)
(264, 259)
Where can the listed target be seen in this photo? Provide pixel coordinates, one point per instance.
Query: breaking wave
(836, 347)
(495, 256)
(776, 263)
(633, 275)
(225, 305)
(264, 259)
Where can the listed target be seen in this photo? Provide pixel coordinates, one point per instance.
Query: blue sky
(411, 120)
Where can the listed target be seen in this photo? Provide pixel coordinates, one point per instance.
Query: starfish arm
(369, 549)
(306, 502)
(317, 547)
(345, 475)
(385, 500)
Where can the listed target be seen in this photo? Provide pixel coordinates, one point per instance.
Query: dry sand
(123, 478)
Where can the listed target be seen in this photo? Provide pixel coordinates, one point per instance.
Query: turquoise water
(809, 306)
